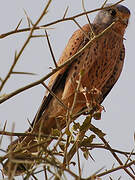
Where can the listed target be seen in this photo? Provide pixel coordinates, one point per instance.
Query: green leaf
(87, 141)
(76, 126)
(62, 146)
(86, 123)
(97, 115)
(82, 72)
(86, 154)
(67, 131)
(97, 131)
(55, 132)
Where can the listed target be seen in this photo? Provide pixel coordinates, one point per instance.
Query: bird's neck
(118, 28)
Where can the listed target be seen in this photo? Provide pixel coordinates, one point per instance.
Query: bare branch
(18, 25)
(88, 18)
(61, 103)
(115, 169)
(3, 132)
(17, 55)
(28, 19)
(65, 13)
(55, 22)
(104, 3)
(69, 61)
(92, 128)
(23, 73)
(51, 51)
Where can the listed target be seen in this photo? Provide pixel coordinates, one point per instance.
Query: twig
(4, 151)
(28, 19)
(75, 95)
(3, 132)
(92, 128)
(104, 3)
(37, 36)
(78, 159)
(88, 18)
(17, 56)
(129, 157)
(65, 151)
(1, 79)
(24, 73)
(18, 25)
(22, 149)
(59, 139)
(60, 102)
(69, 118)
(11, 171)
(69, 61)
(65, 13)
(55, 22)
(115, 169)
(86, 35)
(31, 135)
(92, 146)
(79, 138)
(45, 172)
(51, 51)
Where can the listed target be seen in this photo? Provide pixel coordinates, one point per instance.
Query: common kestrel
(99, 65)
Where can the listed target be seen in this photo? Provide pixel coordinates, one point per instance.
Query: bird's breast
(97, 61)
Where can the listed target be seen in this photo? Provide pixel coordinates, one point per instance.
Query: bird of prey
(99, 65)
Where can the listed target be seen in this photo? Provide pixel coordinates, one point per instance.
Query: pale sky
(118, 120)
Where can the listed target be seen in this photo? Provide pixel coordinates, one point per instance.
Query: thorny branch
(89, 146)
(54, 22)
(70, 146)
(92, 128)
(17, 55)
(69, 61)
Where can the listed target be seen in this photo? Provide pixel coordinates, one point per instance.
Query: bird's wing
(74, 44)
(71, 48)
(115, 75)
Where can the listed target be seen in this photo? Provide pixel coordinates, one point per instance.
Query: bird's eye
(112, 12)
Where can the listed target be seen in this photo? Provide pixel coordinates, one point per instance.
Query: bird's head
(118, 13)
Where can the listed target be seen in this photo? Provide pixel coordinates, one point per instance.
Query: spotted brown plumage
(101, 63)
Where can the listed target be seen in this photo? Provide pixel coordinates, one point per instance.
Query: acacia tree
(76, 138)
